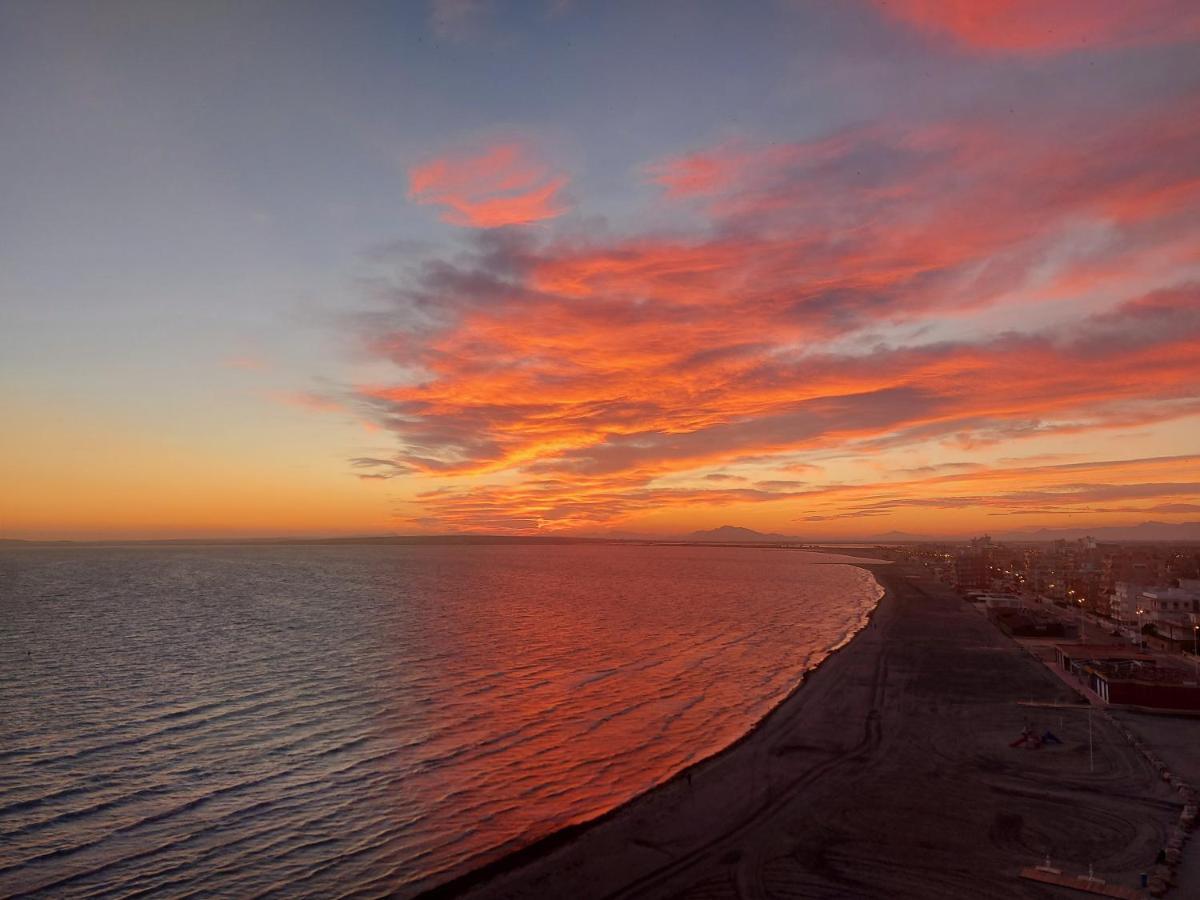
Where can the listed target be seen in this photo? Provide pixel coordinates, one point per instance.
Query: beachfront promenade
(888, 774)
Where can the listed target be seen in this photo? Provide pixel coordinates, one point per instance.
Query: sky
(598, 268)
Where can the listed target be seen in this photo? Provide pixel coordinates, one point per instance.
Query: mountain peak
(736, 533)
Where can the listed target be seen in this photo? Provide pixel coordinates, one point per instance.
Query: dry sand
(887, 774)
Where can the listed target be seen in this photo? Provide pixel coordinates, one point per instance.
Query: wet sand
(888, 773)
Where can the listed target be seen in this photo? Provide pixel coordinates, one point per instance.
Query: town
(1132, 611)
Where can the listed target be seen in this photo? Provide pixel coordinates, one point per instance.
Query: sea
(367, 720)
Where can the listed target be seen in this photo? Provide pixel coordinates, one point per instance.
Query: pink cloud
(695, 173)
(502, 185)
(586, 368)
(307, 400)
(1039, 26)
(246, 363)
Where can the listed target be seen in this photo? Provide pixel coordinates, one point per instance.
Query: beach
(887, 773)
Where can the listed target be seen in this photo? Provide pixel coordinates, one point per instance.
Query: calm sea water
(365, 719)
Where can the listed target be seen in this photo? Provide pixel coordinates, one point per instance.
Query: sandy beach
(888, 773)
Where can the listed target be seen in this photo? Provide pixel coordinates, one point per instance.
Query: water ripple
(358, 720)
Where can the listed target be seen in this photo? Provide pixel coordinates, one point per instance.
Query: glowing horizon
(929, 266)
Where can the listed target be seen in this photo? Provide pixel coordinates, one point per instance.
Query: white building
(1127, 600)
(1175, 612)
(1170, 604)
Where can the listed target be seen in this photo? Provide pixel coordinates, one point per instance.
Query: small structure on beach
(1072, 657)
(1027, 623)
(1123, 676)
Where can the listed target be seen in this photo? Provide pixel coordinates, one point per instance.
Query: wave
(314, 720)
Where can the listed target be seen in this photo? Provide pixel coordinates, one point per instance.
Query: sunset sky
(827, 269)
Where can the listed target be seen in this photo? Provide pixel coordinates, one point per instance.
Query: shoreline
(476, 876)
(886, 771)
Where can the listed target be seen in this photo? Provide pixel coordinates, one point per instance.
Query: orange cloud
(1036, 26)
(1007, 490)
(502, 185)
(555, 504)
(593, 377)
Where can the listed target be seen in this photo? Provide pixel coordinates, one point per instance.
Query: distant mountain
(895, 537)
(729, 534)
(732, 533)
(1146, 531)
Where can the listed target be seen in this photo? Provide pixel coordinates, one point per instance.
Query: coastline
(803, 799)
(459, 884)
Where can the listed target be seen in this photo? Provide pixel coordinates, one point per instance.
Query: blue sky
(196, 196)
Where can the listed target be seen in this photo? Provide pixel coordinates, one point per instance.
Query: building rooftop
(1105, 651)
(1135, 671)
